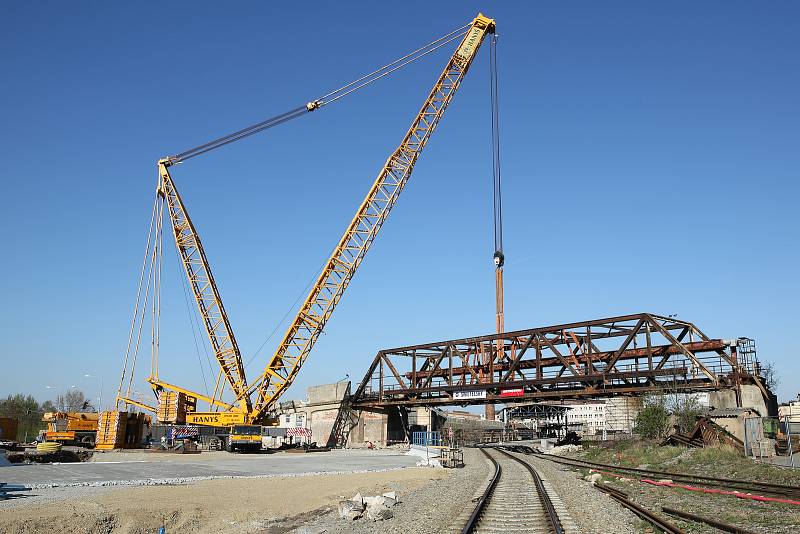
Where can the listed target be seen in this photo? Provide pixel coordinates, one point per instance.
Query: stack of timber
(111, 430)
(121, 430)
(172, 408)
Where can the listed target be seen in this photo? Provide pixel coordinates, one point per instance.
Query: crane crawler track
(509, 503)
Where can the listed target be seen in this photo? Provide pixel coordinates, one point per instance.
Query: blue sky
(650, 163)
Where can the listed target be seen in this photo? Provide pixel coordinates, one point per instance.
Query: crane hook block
(499, 258)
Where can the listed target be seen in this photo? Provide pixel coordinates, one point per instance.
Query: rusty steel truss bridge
(626, 355)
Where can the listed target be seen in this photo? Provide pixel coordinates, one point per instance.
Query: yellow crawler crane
(252, 402)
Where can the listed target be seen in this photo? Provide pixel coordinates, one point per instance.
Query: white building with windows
(588, 418)
(598, 417)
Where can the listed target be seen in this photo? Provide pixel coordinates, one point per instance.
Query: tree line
(28, 411)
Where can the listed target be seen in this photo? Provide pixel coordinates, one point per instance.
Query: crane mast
(318, 306)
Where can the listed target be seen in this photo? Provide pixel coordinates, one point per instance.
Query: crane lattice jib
(337, 273)
(209, 303)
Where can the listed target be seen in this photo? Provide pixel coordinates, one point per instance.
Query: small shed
(733, 419)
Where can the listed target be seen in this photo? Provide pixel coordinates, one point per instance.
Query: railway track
(516, 500)
(777, 490)
(495, 507)
(659, 521)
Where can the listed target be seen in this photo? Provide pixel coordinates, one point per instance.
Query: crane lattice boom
(206, 294)
(357, 239)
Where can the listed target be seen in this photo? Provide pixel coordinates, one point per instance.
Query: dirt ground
(273, 505)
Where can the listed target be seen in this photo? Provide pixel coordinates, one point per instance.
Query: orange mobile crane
(252, 401)
(71, 428)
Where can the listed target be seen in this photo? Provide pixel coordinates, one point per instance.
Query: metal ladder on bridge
(345, 421)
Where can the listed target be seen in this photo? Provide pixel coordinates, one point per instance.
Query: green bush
(686, 410)
(652, 422)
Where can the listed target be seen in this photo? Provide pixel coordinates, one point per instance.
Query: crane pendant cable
(317, 103)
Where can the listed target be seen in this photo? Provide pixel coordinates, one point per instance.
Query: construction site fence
(429, 439)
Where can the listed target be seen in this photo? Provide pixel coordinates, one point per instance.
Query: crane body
(253, 401)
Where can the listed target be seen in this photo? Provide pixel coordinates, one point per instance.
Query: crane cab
(243, 438)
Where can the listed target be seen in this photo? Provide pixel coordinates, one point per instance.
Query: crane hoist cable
(497, 194)
(499, 258)
(328, 98)
(497, 209)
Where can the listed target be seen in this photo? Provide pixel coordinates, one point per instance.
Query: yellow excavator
(251, 401)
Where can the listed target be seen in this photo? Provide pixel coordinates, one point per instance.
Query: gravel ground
(591, 510)
(444, 505)
(435, 507)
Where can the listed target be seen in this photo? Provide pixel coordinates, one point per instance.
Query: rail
(645, 514)
(725, 527)
(480, 513)
(547, 504)
(476, 513)
(780, 490)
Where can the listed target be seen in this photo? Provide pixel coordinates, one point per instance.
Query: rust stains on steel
(629, 354)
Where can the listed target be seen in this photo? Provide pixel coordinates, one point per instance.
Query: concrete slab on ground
(786, 461)
(143, 466)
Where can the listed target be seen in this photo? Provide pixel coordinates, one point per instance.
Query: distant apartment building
(615, 416)
(587, 418)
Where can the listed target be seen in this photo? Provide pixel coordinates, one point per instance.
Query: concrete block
(593, 478)
(350, 510)
(723, 398)
(327, 393)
